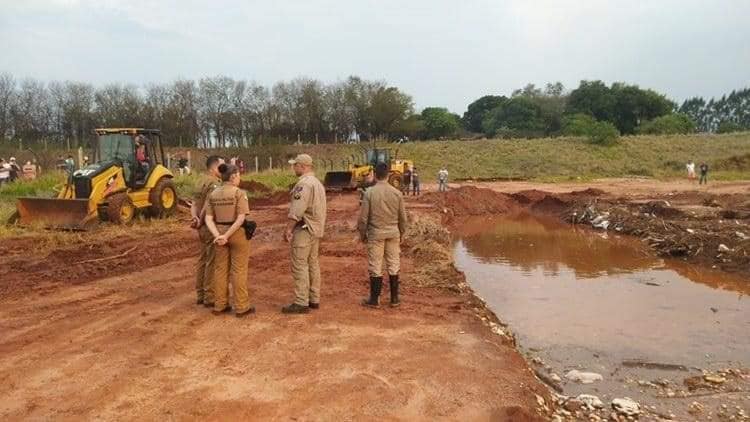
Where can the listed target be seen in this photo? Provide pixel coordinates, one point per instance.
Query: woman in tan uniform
(226, 209)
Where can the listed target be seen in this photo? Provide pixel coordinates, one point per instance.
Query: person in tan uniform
(382, 224)
(307, 218)
(226, 209)
(209, 181)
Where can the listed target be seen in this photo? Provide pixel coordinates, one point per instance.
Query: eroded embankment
(711, 230)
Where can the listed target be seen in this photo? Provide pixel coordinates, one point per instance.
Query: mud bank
(696, 227)
(707, 388)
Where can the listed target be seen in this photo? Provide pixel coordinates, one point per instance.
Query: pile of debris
(717, 242)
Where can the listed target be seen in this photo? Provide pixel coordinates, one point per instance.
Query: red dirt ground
(122, 339)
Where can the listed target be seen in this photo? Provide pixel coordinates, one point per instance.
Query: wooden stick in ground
(109, 257)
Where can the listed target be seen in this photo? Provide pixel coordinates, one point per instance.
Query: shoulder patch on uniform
(298, 188)
(297, 195)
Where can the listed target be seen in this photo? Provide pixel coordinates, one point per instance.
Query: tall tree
(477, 111)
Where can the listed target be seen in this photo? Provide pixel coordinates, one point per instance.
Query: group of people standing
(10, 171)
(220, 209)
(703, 171)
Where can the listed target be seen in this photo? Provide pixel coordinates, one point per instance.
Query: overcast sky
(443, 53)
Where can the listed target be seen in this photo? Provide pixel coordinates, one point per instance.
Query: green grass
(545, 159)
(42, 186)
(276, 180)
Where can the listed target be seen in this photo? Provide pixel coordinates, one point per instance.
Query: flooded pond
(593, 301)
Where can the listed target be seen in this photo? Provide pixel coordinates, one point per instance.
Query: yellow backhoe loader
(354, 176)
(127, 176)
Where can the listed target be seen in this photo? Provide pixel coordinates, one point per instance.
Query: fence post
(20, 144)
(169, 160)
(80, 157)
(45, 144)
(67, 140)
(190, 161)
(316, 139)
(270, 162)
(256, 163)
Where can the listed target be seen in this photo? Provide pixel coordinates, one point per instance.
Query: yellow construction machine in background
(120, 183)
(354, 176)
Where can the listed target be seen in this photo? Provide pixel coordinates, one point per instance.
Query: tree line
(730, 113)
(601, 112)
(224, 112)
(211, 112)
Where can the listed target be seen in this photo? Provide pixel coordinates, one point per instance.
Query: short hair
(381, 171)
(211, 160)
(227, 170)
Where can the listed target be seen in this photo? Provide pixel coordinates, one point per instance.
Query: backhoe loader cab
(128, 175)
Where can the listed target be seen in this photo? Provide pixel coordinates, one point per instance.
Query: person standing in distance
(226, 211)
(443, 179)
(382, 224)
(307, 218)
(209, 181)
(704, 174)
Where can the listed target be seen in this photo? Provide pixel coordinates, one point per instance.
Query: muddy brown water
(586, 300)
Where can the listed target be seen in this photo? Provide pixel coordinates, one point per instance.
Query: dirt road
(121, 338)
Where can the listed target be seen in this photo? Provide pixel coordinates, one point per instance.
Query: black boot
(376, 284)
(393, 281)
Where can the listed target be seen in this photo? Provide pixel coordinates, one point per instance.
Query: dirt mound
(253, 186)
(272, 199)
(550, 204)
(470, 200)
(78, 263)
(529, 196)
(588, 192)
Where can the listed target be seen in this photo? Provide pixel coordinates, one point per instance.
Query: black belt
(224, 224)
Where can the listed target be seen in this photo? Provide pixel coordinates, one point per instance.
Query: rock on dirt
(590, 401)
(583, 377)
(626, 406)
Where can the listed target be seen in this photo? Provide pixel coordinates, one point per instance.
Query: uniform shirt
(308, 204)
(704, 168)
(206, 185)
(443, 175)
(4, 171)
(225, 203)
(383, 214)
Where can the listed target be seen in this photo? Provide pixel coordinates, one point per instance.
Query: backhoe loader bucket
(52, 212)
(335, 180)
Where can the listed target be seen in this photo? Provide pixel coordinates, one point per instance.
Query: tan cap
(302, 159)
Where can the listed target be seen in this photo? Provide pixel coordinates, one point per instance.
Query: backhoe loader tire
(163, 198)
(120, 209)
(395, 180)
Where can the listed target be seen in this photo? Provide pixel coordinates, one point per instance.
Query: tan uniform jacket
(308, 204)
(225, 203)
(383, 213)
(205, 186)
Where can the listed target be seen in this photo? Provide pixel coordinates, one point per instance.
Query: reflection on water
(531, 243)
(565, 291)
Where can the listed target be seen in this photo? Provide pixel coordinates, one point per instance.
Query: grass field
(547, 159)
(571, 158)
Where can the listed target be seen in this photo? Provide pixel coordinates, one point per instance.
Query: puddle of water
(587, 300)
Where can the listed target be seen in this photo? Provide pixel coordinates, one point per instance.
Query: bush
(729, 127)
(578, 124)
(598, 132)
(603, 133)
(670, 124)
